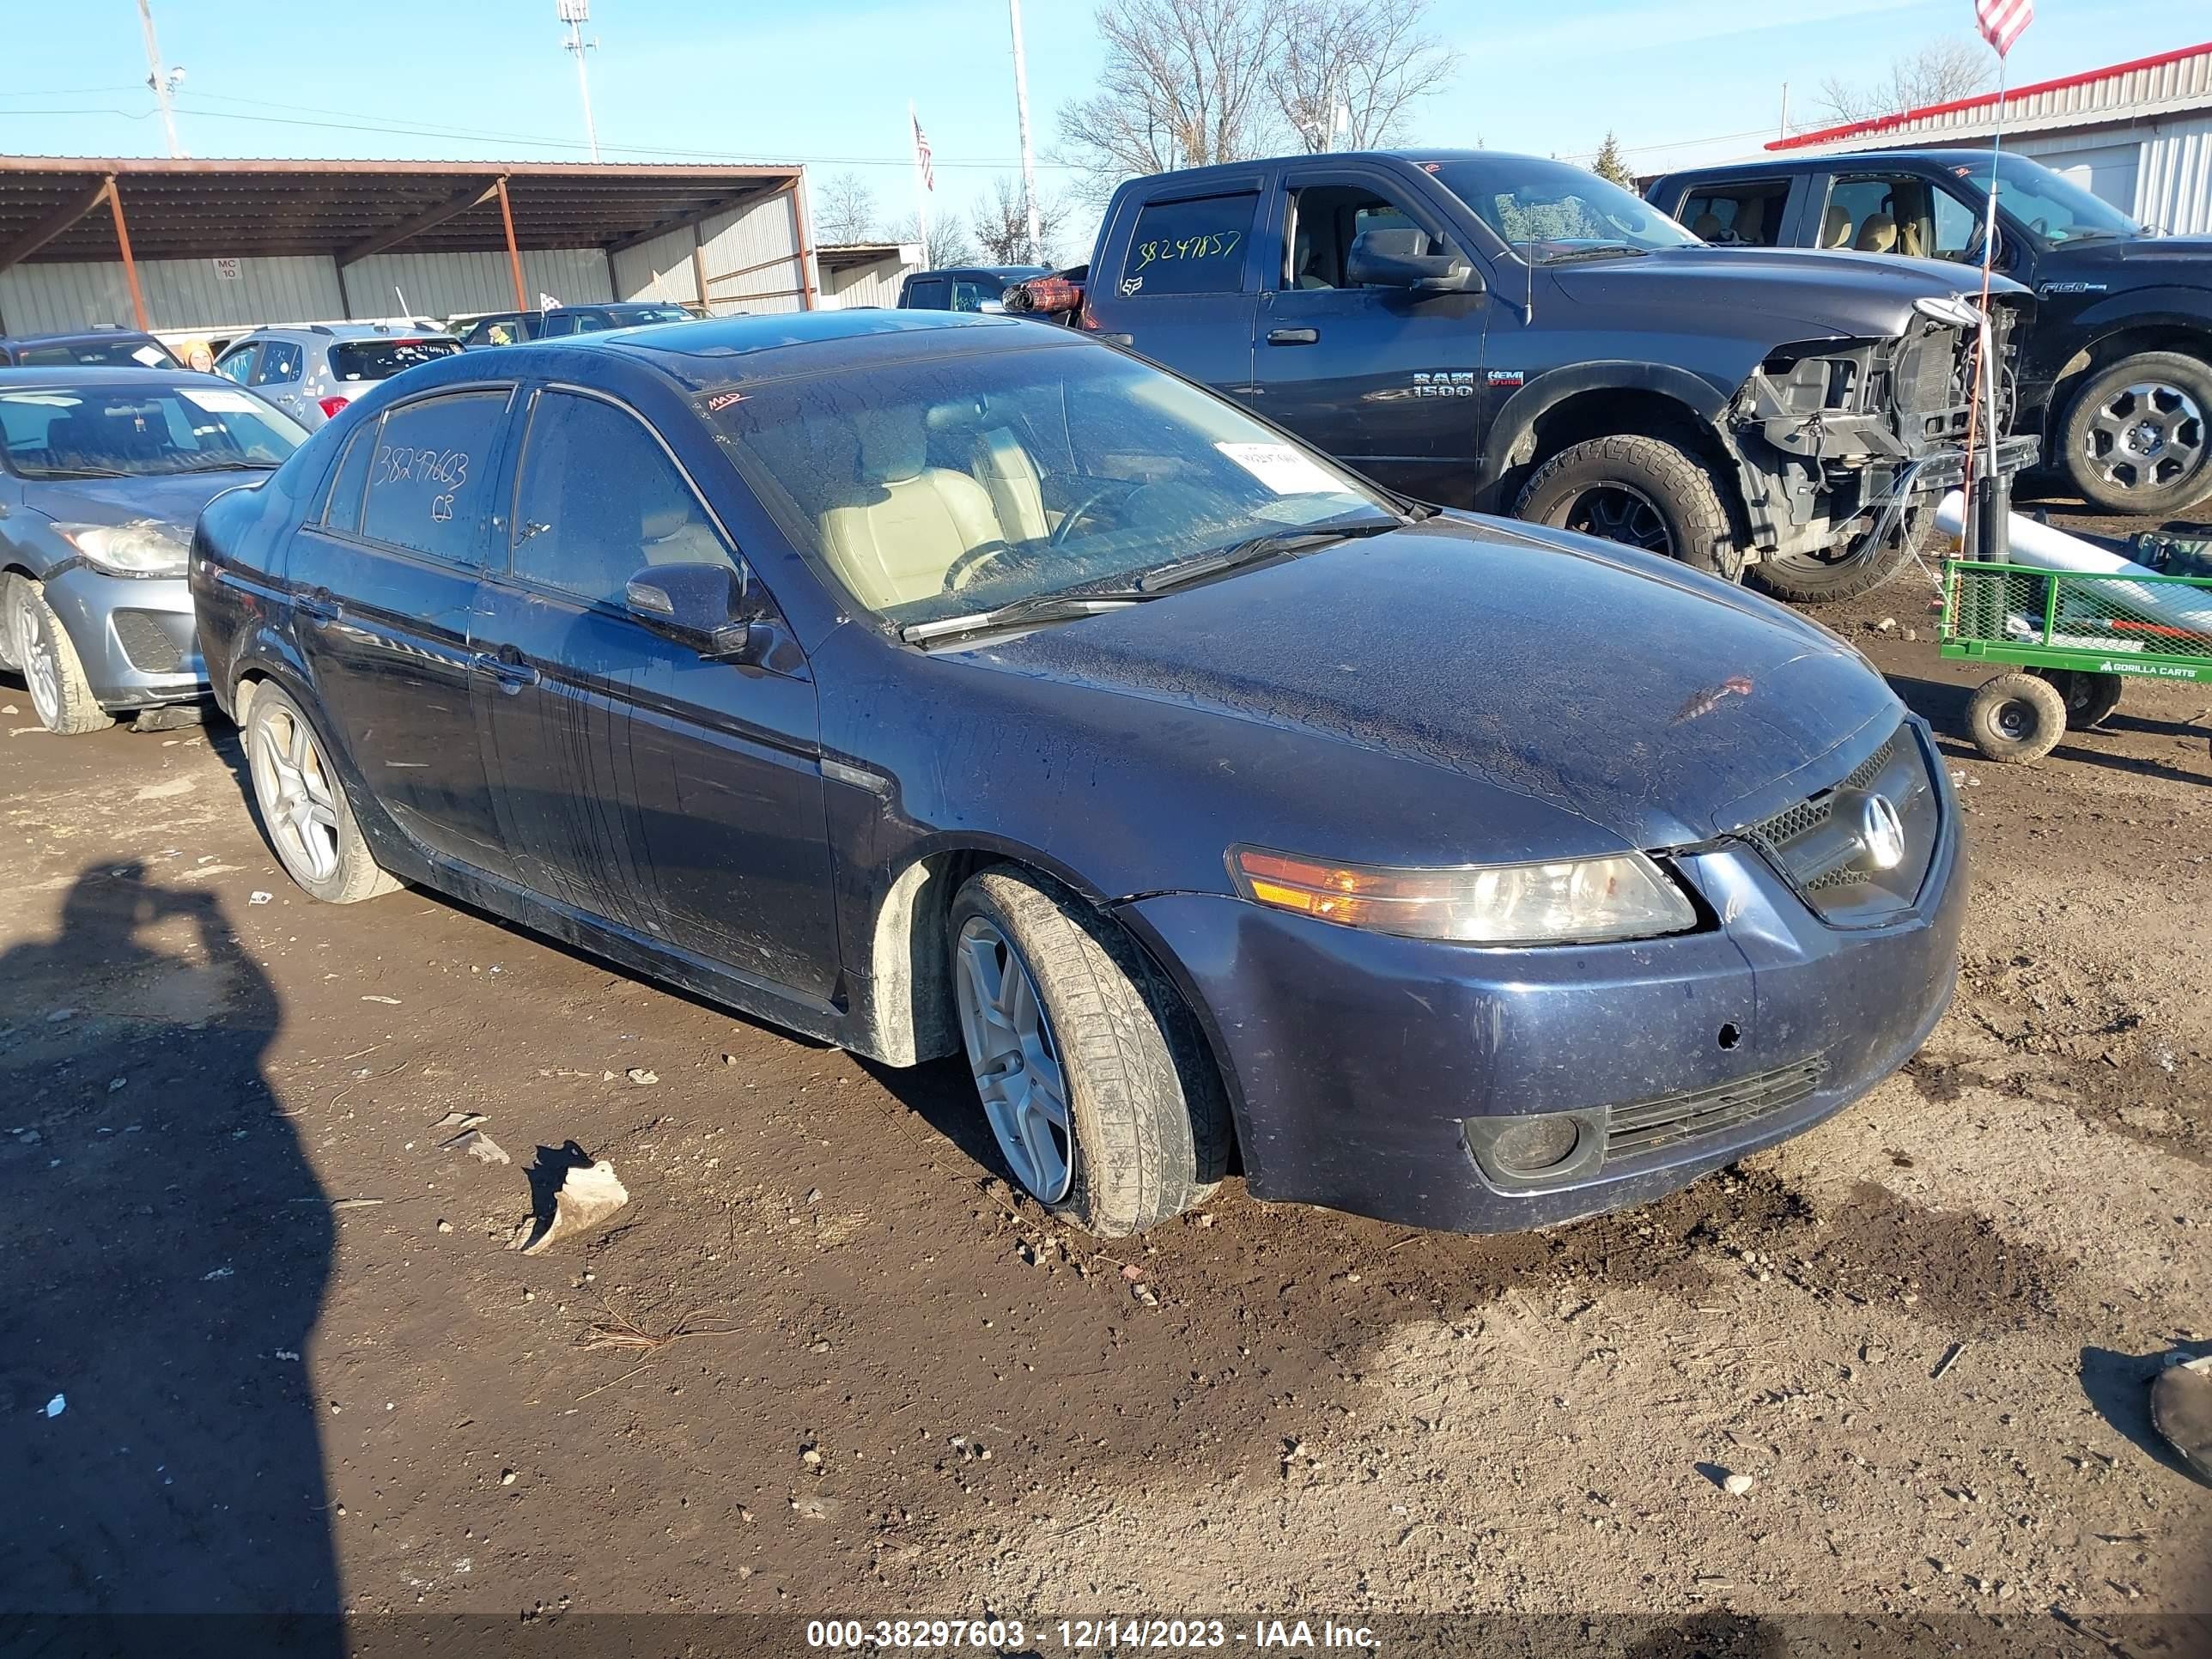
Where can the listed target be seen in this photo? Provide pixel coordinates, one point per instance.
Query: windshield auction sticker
(1283, 468)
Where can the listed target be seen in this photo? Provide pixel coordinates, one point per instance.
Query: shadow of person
(168, 1248)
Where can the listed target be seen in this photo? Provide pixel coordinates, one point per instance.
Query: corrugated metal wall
(179, 294)
(865, 285)
(756, 246)
(441, 284)
(2174, 184)
(658, 269)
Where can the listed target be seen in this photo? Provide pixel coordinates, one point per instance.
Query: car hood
(1816, 294)
(1661, 706)
(173, 502)
(2130, 262)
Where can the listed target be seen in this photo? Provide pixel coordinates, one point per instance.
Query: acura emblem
(1882, 832)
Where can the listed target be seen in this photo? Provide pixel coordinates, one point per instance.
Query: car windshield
(135, 431)
(630, 315)
(128, 351)
(380, 359)
(1561, 212)
(2056, 208)
(947, 487)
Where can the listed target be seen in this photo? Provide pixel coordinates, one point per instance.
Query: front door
(385, 582)
(1385, 378)
(678, 800)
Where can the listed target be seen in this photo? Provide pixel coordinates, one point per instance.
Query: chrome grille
(1831, 863)
(1664, 1120)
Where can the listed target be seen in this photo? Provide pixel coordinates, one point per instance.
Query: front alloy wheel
(1015, 1062)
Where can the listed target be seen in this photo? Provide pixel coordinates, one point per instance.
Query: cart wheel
(2017, 718)
(2090, 696)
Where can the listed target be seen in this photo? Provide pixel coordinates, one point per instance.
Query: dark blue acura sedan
(936, 684)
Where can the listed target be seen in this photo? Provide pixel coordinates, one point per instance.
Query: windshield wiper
(1038, 607)
(81, 472)
(242, 464)
(1606, 251)
(1162, 578)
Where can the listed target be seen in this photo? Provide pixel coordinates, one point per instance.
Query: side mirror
(701, 605)
(1399, 259)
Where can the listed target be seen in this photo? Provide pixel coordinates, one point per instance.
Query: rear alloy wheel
(2017, 718)
(304, 809)
(1091, 1072)
(53, 673)
(1641, 492)
(2136, 438)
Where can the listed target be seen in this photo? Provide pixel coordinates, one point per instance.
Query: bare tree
(1611, 164)
(947, 244)
(1953, 67)
(1347, 72)
(1001, 224)
(1185, 83)
(846, 210)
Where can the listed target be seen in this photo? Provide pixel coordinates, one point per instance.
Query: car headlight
(142, 549)
(1568, 901)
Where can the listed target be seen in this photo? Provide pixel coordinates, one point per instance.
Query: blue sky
(1678, 80)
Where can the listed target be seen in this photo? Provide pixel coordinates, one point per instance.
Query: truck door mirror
(1398, 258)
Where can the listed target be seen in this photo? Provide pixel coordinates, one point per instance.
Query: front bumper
(1946, 469)
(135, 635)
(1356, 1060)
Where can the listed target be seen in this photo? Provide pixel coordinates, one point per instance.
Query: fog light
(1535, 1143)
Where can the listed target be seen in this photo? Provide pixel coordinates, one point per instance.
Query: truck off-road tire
(1094, 1077)
(1644, 492)
(53, 673)
(2138, 435)
(2089, 695)
(304, 810)
(2017, 718)
(1845, 573)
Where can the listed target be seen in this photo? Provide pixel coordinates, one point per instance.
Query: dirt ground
(265, 1348)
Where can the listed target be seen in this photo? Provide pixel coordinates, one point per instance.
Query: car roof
(1941, 158)
(722, 351)
(341, 331)
(980, 270)
(68, 336)
(54, 376)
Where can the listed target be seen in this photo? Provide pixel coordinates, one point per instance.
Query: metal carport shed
(189, 244)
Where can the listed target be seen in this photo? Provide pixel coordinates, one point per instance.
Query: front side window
(1899, 213)
(937, 489)
(1326, 220)
(1555, 211)
(143, 432)
(430, 472)
(1189, 247)
(342, 513)
(572, 531)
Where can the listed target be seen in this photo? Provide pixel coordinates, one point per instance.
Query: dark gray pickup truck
(1517, 335)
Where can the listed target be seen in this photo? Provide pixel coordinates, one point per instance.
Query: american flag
(2002, 22)
(921, 151)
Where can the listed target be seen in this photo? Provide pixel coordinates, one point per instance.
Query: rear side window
(1189, 247)
(429, 474)
(573, 532)
(380, 359)
(343, 512)
(281, 364)
(1743, 213)
(926, 296)
(236, 363)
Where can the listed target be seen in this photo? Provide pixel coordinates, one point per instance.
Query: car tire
(1859, 568)
(1644, 492)
(2133, 423)
(2017, 718)
(302, 802)
(2089, 695)
(1140, 1130)
(53, 673)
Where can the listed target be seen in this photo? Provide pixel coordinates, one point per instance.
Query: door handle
(318, 607)
(1293, 337)
(512, 676)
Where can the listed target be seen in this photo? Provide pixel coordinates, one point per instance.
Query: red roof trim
(1885, 123)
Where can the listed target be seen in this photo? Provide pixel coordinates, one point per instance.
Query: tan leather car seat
(1016, 488)
(1751, 220)
(1707, 225)
(910, 521)
(1836, 228)
(1877, 235)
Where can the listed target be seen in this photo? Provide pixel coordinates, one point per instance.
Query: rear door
(679, 799)
(1386, 379)
(1739, 212)
(1179, 282)
(280, 377)
(386, 584)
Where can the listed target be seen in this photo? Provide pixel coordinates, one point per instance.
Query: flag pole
(1981, 506)
(921, 187)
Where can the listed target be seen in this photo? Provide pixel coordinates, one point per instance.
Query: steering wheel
(1082, 508)
(973, 559)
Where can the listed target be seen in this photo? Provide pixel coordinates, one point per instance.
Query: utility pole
(575, 14)
(164, 81)
(1022, 118)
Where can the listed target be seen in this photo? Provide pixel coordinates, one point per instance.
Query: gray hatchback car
(103, 473)
(314, 370)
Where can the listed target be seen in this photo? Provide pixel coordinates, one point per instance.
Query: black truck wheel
(2137, 438)
(2089, 695)
(1644, 492)
(2017, 718)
